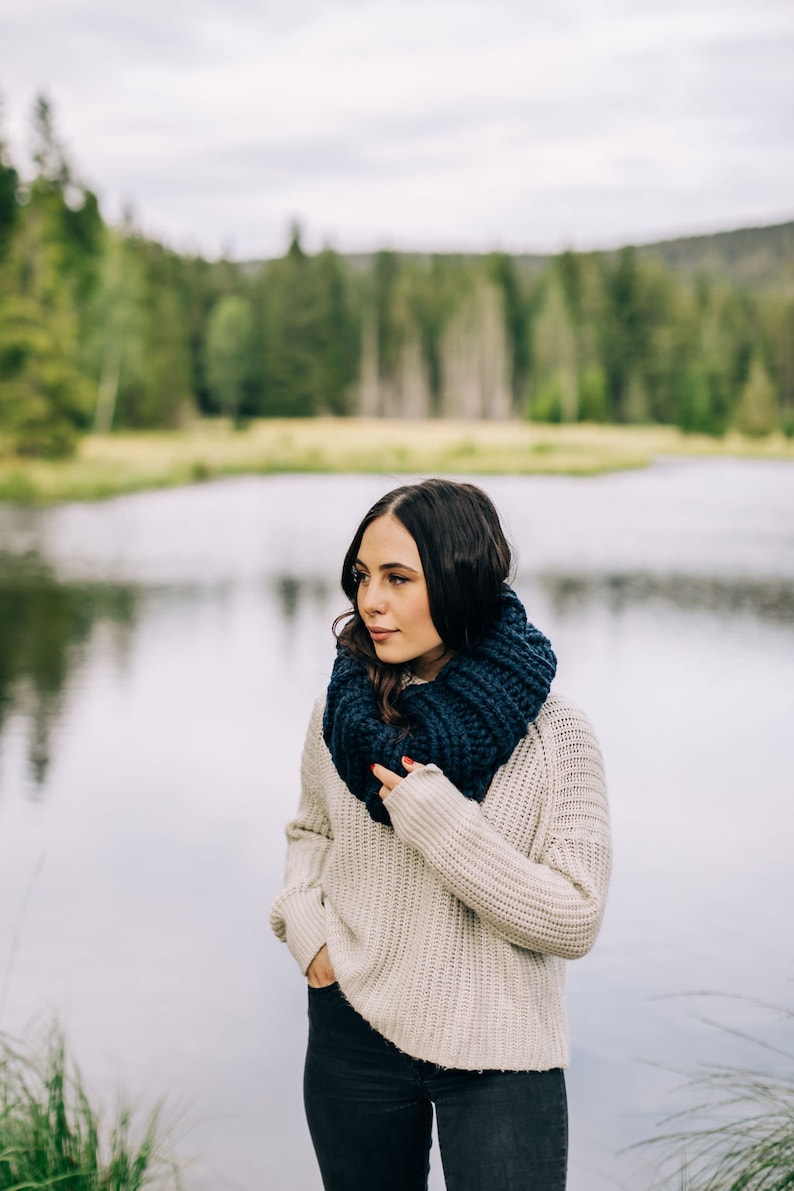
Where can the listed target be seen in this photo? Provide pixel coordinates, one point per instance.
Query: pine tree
(229, 347)
(9, 200)
(45, 397)
(756, 414)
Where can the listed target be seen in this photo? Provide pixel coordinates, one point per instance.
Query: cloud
(465, 121)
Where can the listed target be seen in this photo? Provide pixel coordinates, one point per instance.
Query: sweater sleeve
(553, 904)
(298, 915)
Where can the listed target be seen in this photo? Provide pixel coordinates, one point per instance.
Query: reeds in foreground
(737, 1133)
(51, 1136)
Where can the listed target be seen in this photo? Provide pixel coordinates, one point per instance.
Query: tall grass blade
(737, 1131)
(51, 1135)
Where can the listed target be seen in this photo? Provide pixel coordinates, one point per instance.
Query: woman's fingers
(389, 779)
(319, 972)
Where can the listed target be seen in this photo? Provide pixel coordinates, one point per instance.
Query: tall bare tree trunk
(414, 381)
(475, 366)
(108, 389)
(370, 398)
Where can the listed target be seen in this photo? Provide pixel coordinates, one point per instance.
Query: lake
(159, 656)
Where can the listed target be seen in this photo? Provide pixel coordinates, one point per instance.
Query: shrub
(51, 1134)
(737, 1131)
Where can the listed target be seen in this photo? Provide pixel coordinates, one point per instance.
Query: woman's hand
(388, 779)
(319, 972)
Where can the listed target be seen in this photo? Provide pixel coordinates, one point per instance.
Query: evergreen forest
(102, 328)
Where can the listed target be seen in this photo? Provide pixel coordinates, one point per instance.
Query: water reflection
(293, 591)
(50, 628)
(46, 628)
(765, 599)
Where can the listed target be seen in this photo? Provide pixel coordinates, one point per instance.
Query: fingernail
(407, 761)
(372, 766)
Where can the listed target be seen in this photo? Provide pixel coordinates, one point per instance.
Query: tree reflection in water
(49, 626)
(46, 627)
(762, 599)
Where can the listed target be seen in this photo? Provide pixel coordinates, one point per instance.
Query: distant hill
(755, 257)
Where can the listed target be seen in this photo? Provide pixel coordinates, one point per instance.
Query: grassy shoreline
(52, 1133)
(111, 465)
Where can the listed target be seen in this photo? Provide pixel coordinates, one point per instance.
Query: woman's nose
(372, 598)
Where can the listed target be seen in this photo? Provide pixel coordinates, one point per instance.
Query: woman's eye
(359, 577)
(397, 580)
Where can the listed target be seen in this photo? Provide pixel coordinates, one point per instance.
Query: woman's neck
(426, 668)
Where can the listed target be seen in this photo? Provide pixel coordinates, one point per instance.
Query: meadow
(130, 461)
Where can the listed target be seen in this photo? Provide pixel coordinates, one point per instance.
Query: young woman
(450, 852)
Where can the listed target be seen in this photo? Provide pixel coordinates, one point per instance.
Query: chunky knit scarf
(467, 721)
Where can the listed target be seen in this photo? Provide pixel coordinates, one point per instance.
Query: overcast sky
(422, 124)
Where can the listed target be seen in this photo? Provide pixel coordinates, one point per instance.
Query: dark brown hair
(466, 561)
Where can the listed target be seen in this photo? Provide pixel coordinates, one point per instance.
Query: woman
(450, 852)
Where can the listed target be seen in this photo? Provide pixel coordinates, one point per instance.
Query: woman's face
(392, 599)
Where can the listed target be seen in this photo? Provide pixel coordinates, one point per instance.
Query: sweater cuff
(298, 919)
(425, 809)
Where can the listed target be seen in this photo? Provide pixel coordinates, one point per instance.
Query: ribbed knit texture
(467, 721)
(449, 933)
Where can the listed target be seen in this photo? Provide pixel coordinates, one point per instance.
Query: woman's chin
(388, 653)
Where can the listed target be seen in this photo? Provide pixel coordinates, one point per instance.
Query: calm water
(159, 656)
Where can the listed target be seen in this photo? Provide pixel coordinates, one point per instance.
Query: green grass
(736, 1132)
(129, 462)
(52, 1136)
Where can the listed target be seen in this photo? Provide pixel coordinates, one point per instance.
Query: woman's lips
(378, 634)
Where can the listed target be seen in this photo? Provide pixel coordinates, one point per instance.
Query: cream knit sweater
(450, 933)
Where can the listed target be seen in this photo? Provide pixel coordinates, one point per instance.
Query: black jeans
(370, 1112)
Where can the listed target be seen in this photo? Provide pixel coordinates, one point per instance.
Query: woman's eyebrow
(389, 566)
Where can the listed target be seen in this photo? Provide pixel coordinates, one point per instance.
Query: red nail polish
(372, 766)
(408, 760)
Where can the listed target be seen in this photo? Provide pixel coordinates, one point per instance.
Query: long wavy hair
(466, 561)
